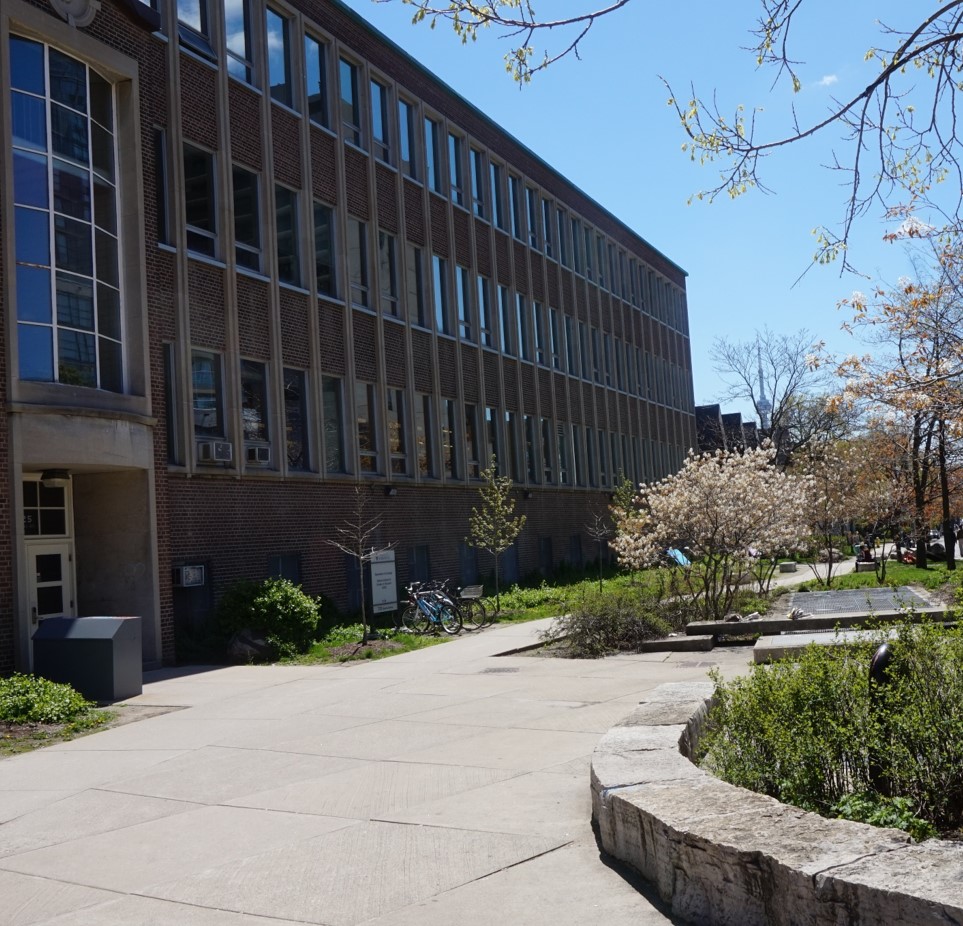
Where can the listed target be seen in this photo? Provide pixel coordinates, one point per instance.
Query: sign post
(384, 587)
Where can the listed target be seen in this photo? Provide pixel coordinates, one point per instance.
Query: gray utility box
(99, 656)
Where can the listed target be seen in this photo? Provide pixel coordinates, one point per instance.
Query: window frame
(318, 105)
(247, 253)
(291, 259)
(350, 110)
(283, 92)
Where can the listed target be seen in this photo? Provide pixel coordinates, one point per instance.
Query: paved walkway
(438, 787)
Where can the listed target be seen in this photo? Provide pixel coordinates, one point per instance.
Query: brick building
(252, 255)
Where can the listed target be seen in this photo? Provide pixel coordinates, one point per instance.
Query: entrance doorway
(49, 548)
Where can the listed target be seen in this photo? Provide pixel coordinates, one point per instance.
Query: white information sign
(384, 586)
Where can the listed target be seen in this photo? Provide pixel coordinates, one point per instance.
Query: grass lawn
(935, 576)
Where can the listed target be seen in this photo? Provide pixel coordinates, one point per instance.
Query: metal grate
(858, 600)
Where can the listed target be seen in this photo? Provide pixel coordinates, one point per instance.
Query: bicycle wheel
(472, 613)
(449, 618)
(490, 610)
(414, 620)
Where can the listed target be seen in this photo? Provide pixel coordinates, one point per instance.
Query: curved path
(442, 786)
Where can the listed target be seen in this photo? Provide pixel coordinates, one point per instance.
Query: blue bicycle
(430, 609)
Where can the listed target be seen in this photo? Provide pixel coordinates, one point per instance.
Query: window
(524, 344)
(571, 347)
(247, 219)
(207, 398)
(600, 263)
(456, 176)
(417, 307)
(193, 27)
(563, 454)
(531, 201)
(364, 412)
(507, 322)
(583, 349)
(477, 164)
(589, 248)
(576, 245)
(607, 341)
(562, 224)
(590, 456)
(397, 442)
(596, 355)
(485, 320)
(614, 459)
(531, 450)
(498, 194)
(472, 442)
(200, 201)
(439, 267)
(548, 228)
(511, 430)
(613, 271)
(350, 103)
(493, 442)
(547, 455)
(254, 404)
(332, 399)
(619, 366)
(424, 436)
(237, 31)
(515, 205)
(539, 320)
(380, 125)
(449, 438)
(388, 274)
(466, 321)
(358, 262)
(286, 213)
(433, 155)
(577, 455)
(324, 251)
(316, 70)
(67, 265)
(279, 58)
(603, 469)
(554, 339)
(408, 138)
(296, 420)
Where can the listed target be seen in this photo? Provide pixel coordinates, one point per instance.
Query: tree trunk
(949, 535)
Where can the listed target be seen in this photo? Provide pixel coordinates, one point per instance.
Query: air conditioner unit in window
(215, 451)
(187, 576)
(258, 455)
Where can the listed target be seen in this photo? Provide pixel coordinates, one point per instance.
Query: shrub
(602, 623)
(276, 607)
(29, 699)
(819, 736)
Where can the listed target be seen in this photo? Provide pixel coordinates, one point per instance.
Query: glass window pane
(52, 521)
(68, 132)
(101, 100)
(50, 600)
(296, 419)
(315, 64)
(71, 190)
(103, 144)
(76, 358)
(36, 353)
(72, 245)
(111, 365)
(108, 311)
(32, 234)
(254, 400)
(26, 65)
(75, 302)
(279, 58)
(324, 249)
(105, 206)
(30, 179)
(33, 294)
(28, 116)
(68, 81)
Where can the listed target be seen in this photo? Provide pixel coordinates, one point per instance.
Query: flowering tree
(733, 512)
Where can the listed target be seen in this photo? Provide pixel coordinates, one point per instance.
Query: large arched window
(69, 320)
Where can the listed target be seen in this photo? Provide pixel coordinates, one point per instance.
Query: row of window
(432, 439)
(460, 302)
(390, 126)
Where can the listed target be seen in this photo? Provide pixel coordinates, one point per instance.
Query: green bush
(817, 733)
(29, 699)
(607, 622)
(280, 610)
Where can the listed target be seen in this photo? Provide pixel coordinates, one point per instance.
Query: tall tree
(493, 525)
(899, 135)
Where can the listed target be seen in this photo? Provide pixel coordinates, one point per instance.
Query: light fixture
(391, 491)
(55, 478)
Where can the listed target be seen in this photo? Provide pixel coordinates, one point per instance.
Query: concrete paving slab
(374, 789)
(521, 749)
(146, 911)
(568, 887)
(29, 901)
(217, 774)
(54, 770)
(355, 874)
(86, 813)
(132, 858)
(14, 804)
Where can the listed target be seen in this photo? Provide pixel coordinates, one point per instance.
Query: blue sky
(603, 122)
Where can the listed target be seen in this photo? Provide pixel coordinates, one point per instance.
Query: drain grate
(502, 671)
(847, 601)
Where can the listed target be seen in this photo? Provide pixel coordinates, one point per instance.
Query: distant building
(254, 254)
